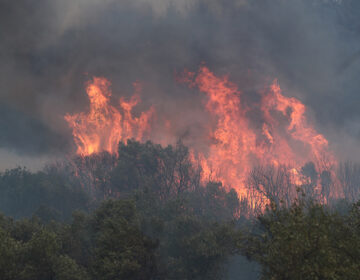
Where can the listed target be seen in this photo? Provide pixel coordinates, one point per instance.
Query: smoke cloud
(50, 48)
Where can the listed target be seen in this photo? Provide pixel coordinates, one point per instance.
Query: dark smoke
(27, 135)
(50, 48)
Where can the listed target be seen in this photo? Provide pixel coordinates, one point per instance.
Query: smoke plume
(50, 48)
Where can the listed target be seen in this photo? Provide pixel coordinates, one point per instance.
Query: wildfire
(238, 142)
(103, 126)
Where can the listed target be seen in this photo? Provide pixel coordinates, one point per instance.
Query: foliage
(306, 241)
(152, 217)
(31, 251)
(192, 223)
(166, 172)
(121, 251)
(23, 193)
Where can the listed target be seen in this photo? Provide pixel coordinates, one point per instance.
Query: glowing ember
(104, 126)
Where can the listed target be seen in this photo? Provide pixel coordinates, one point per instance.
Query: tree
(326, 184)
(29, 250)
(273, 183)
(306, 241)
(349, 178)
(311, 176)
(121, 250)
(23, 193)
(9, 256)
(164, 224)
(166, 172)
(66, 268)
(196, 231)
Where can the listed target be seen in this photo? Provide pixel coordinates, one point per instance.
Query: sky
(49, 49)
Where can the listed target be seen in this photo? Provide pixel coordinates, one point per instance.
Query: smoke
(50, 48)
(36, 139)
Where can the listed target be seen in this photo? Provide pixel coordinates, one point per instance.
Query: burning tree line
(147, 214)
(173, 171)
(265, 158)
(241, 134)
(127, 208)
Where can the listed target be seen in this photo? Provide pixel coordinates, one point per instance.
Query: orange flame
(103, 126)
(234, 141)
(314, 144)
(237, 146)
(238, 142)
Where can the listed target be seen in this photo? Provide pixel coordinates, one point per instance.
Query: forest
(147, 214)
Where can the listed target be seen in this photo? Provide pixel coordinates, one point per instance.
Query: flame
(103, 126)
(237, 146)
(238, 142)
(298, 128)
(233, 140)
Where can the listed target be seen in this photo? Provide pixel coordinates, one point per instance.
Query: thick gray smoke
(49, 49)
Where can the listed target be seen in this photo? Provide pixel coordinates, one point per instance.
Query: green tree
(47, 194)
(121, 250)
(10, 251)
(306, 241)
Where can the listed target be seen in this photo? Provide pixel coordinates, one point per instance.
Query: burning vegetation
(279, 135)
(104, 126)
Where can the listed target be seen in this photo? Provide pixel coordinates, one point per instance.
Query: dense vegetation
(146, 215)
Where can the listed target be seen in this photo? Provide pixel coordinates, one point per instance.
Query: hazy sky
(48, 49)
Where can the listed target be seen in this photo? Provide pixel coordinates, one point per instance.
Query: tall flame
(238, 146)
(233, 140)
(279, 135)
(103, 126)
(298, 128)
